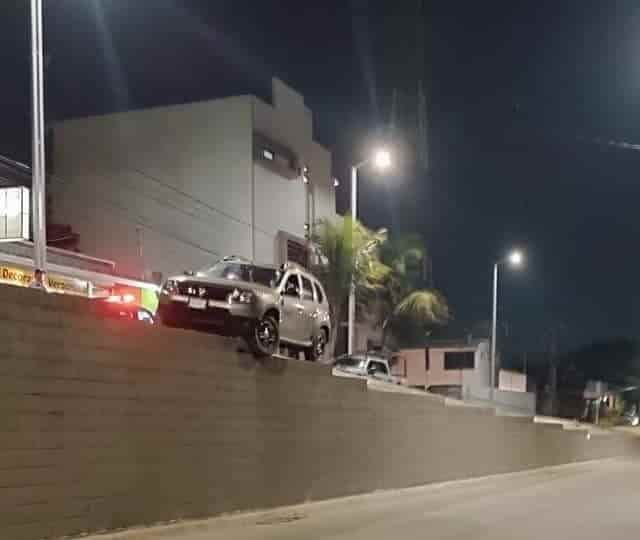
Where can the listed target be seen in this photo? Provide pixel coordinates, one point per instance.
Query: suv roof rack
(243, 260)
(231, 258)
(297, 266)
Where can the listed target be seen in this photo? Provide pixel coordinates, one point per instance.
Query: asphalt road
(588, 501)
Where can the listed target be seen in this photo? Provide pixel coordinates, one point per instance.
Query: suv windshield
(236, 271)
(264, 276)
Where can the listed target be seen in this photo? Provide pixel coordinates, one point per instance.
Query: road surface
(588, 501)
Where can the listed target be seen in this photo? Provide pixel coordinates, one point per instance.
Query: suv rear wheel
(318, 347)
(264, 336)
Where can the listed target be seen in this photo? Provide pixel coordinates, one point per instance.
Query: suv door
(310, 307)
(292, 309)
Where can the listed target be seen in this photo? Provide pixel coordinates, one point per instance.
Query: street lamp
(381, 159)
(38, 167)
(514, 259)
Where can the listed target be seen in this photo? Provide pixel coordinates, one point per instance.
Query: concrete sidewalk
(593, 500)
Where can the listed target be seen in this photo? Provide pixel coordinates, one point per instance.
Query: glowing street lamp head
(382, 159)
(516, 258)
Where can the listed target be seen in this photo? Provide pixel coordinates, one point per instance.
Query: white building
(448, 367)
(461, 369)
(173, 188)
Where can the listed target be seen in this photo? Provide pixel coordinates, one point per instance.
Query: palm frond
(425, 306)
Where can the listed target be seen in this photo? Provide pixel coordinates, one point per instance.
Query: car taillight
(121, 299)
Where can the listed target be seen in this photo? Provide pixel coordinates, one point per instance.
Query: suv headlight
(240, 297)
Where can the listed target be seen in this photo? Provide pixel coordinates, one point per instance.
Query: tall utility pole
(514, 259)
(351, 313)
(382, 160)
(494, 324)
(39, 165)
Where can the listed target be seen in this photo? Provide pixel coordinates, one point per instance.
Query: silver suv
(264, 305)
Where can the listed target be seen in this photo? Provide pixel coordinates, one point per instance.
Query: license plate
(197, 303)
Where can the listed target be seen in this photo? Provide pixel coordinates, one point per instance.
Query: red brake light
(121, 299)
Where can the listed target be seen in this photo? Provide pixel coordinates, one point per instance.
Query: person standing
(39, 281)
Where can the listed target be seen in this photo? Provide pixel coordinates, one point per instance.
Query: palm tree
(348, 253)
(404, 297)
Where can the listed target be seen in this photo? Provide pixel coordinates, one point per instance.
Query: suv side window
(377, 367)
(292, 286)
(319, 294)
(307, 289)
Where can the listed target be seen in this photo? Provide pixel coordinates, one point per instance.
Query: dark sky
(518, 93)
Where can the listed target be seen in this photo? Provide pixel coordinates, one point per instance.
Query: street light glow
(382, 159)
(516, 258)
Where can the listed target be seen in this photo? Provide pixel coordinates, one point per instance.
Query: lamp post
(514, 259)
(382, 161)
(38, 159)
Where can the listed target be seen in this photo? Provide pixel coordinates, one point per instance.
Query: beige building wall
(162, 189)
(289, 122)
(438, 376)
(512, 381)
(175, 188)
(410, 367)
(479, 376)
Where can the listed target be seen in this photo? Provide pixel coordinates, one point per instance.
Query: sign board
(55, 283)
(15, 214)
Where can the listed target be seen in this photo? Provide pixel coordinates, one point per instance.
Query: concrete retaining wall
(503, 401)
(106, 424)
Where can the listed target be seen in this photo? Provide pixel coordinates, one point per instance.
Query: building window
(459, 360)
(426, 360)
(297, 253)
(275, 156)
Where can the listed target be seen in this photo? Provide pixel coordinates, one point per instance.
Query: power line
(188, 196)
(132, 215)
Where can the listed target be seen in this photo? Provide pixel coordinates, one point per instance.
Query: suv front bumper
(211, 315)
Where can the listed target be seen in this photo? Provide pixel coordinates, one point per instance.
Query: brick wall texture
(107, 424)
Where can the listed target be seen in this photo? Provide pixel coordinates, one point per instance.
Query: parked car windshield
(235, 271)
(350, 361)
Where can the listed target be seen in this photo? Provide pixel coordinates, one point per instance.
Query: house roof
(455, 343)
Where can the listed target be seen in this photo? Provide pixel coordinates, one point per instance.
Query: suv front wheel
(318, 347)
(264, 336)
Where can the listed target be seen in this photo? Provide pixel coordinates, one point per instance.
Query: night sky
(519, 94)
